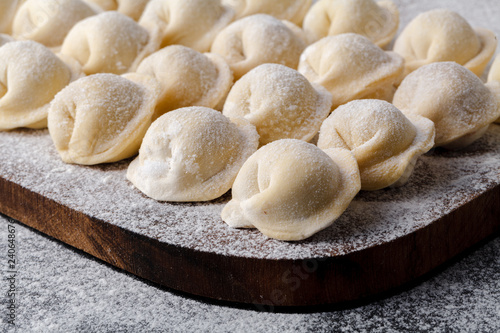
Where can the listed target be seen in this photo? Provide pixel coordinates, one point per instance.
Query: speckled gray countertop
(60, 289)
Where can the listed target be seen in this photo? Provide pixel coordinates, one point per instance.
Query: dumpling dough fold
(107, 43)
(378, 21)
(131, 8)
(30, 76)
(192, 154)
(259, 39)
(384, 142)
(280, 102)
(456, 100)
(192, 23)
(187, 78)
(291, 189)
(351, 67)
(102, 118)
(290, 10)
(444, 35)
(49, 21)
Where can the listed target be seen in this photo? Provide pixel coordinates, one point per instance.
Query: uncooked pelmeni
(49, 21)
(385, 143)
(494, 80)
(192, 23)
(102, 118)
(290, 10)
(187, 78)
(443, 35)
(107, 43)
(259, 39)
(351, 67)
(280, 102)
(131, 8)
(8, 9)
(30, 76)
(378, 21)
(494, 74)
(456, 100)
(291, 189)
(192, 154)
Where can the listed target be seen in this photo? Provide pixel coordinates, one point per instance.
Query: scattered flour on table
(442, 181)
(464, 297)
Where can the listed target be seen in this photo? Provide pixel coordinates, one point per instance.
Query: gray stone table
(59, 289)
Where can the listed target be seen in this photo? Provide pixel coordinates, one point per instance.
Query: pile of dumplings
(293, 105)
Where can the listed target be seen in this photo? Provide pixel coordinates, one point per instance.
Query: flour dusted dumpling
(102, 118)
(8, 9)
(192, 154)
(280, 102)
(378, 21)
(131, 8)
(351, 67)
(444, 35)
(385, 143)
(30, 76)
(187, 78)
(455, 99)
(107, 43)
(192, 23)
(494, 80)
(49, 29)
(256, 40)
(291, 189)
(290, 10)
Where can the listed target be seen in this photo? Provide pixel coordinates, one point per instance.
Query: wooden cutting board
(385, 239)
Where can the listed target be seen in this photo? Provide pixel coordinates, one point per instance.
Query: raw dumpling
(378, 21)
(192, 23)
(385, 143)
(494, 81)
(280, 102)
(256, 40)
(107, 43)
(455, 99)
(291, 189)
(102, 118)
(192, 154)
(290, 10)
(187, 78)
(49, 21)
(494, 74)
(351, 67)
(30, 76)
(131, 8)
(8, 9)
(443, 35)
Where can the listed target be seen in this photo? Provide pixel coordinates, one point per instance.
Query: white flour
(442, 181)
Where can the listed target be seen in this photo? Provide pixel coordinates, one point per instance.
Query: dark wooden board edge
(264, 283)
